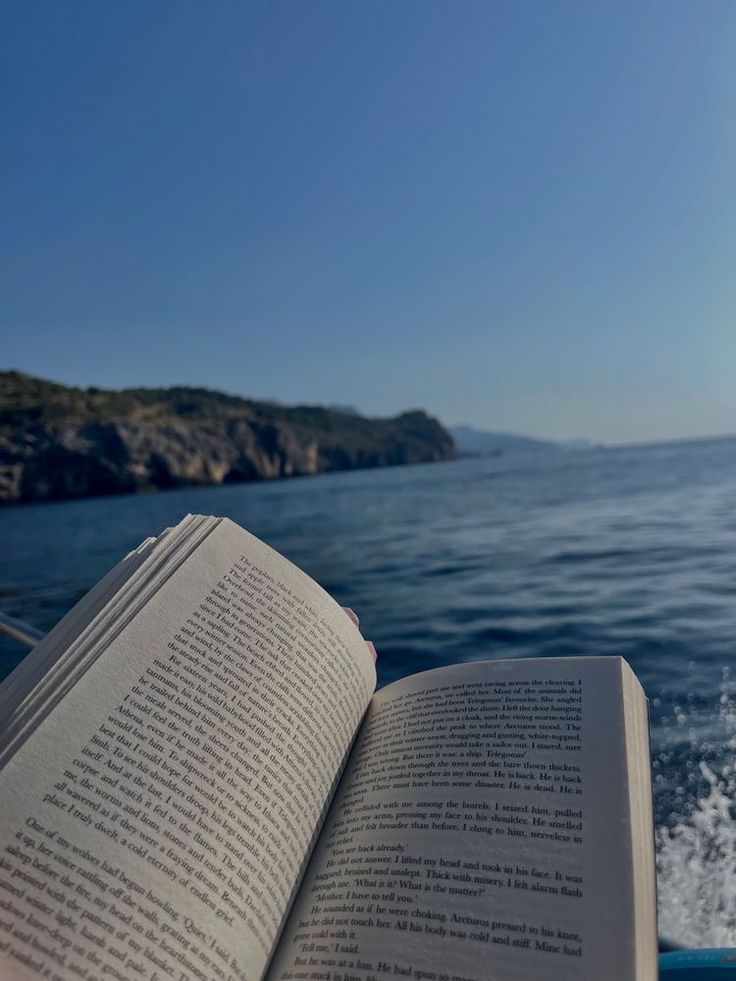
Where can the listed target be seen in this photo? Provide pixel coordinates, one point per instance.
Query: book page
(481, 830)
(157, 821)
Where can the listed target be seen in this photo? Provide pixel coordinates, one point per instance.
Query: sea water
(628, 551)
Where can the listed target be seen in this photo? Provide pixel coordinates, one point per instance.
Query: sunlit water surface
(625, 551)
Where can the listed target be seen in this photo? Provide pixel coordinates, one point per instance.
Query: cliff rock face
(60, 442)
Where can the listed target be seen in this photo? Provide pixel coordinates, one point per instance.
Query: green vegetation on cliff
(58, 441)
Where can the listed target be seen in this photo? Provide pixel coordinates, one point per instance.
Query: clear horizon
(515, 216)
(489, 430)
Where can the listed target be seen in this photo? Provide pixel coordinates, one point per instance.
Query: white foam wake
(696, 848)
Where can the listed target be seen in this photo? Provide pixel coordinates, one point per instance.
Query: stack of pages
(197, 781)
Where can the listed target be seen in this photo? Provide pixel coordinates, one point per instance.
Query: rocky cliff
(60, 442)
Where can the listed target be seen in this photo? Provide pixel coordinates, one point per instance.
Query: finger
(352, 614)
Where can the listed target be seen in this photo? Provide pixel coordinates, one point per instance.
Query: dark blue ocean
(629, 550)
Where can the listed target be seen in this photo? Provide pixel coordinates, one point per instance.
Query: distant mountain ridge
(59, 441)
(483, 442)
(468, 439)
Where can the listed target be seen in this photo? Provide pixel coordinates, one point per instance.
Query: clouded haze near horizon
(518, 215)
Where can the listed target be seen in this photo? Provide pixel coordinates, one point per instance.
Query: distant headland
(58, 441)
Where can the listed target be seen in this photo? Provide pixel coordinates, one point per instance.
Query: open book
(197, 782)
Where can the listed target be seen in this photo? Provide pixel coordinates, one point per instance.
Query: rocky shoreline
(58, 441)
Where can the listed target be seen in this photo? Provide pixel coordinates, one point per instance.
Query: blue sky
(520, 215)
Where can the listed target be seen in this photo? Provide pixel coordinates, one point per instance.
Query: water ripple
(629, 551)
